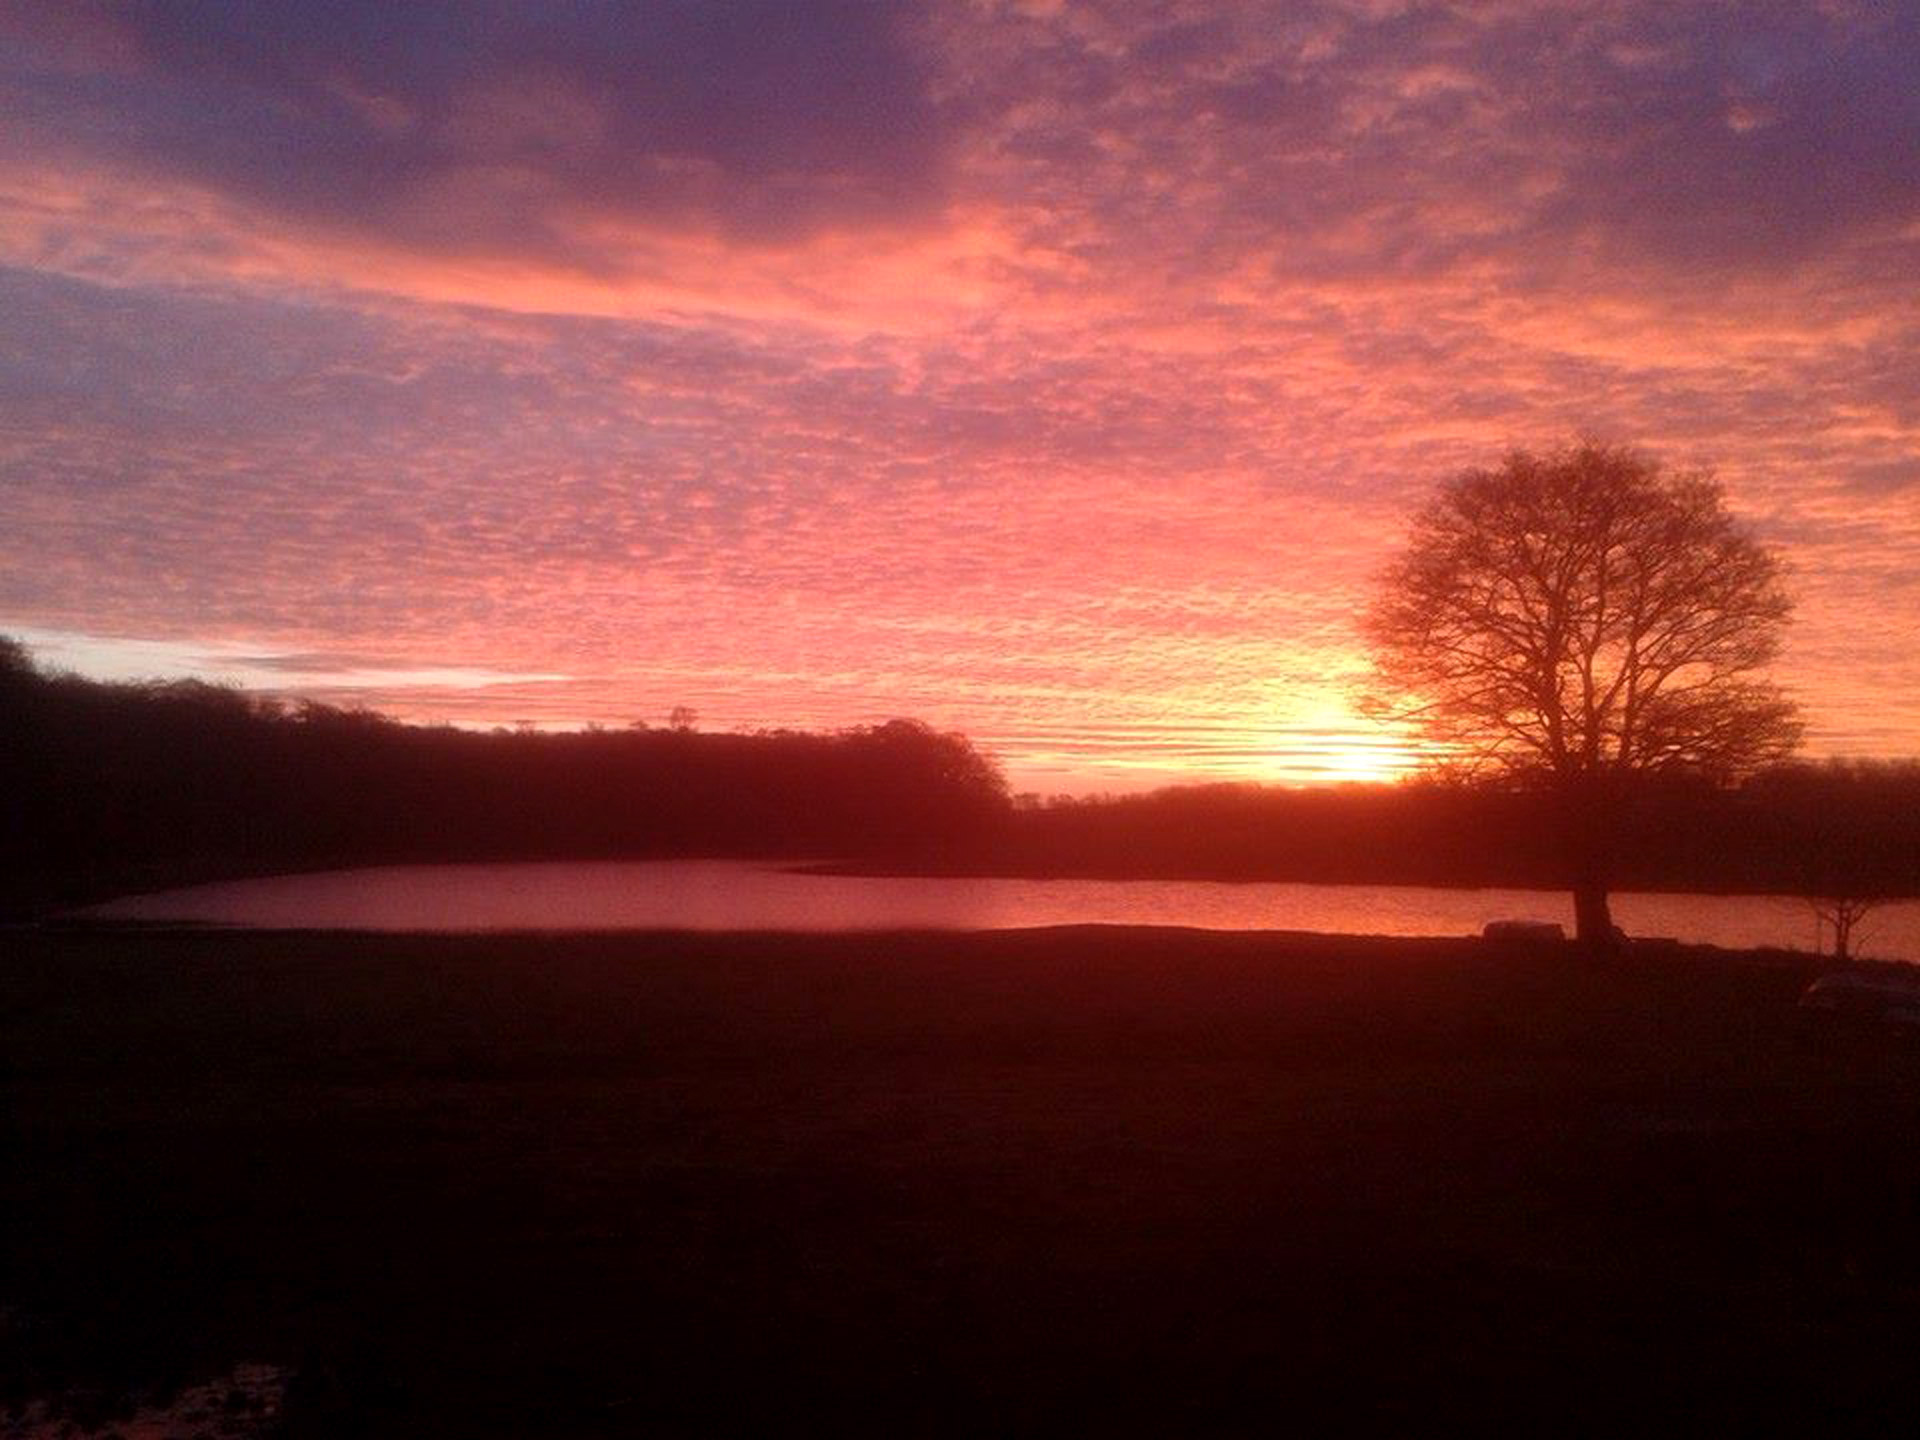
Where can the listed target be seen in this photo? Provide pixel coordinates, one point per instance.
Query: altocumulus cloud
(1058, 370)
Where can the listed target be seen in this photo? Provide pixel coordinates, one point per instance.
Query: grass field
(1057, 1182)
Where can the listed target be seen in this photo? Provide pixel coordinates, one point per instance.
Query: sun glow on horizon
(1340, 759)
(1321, 742)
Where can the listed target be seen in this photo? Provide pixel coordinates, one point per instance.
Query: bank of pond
(722, 895)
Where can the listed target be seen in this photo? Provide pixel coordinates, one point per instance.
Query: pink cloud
(1078, 415)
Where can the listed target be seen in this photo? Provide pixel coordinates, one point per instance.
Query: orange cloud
(1057, 372)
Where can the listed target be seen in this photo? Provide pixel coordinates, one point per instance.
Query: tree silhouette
(1840, 820)
(133, 785)
(1578, 620)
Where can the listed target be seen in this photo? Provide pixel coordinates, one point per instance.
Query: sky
(1061, 373)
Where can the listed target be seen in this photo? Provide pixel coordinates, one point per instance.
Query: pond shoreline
(29, 896)
(781, 896)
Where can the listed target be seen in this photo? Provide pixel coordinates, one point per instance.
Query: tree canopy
(1579, 618)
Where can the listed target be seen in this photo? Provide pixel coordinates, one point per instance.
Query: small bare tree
(1840, 917)
(1847, 824)
(1576, 620)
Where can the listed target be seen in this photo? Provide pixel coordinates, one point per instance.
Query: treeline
(112, 785)
(1835, 828)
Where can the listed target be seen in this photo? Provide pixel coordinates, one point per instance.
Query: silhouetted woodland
(1837, 828)
(112, 787)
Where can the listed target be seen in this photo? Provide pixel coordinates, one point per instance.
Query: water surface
(740, 895)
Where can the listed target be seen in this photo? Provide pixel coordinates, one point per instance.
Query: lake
(741, 895)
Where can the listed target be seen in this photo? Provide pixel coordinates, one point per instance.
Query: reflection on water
(736, 895)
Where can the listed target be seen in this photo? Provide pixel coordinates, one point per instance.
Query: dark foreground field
(1063, 1182)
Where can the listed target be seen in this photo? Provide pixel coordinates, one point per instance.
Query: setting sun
(1345, 759)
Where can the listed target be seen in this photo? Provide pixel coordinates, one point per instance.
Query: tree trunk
(1590, 814)
(1592, 918)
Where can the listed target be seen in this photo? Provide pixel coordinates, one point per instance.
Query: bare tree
(1845, 819)
(1840, 916)
(1577, 620)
